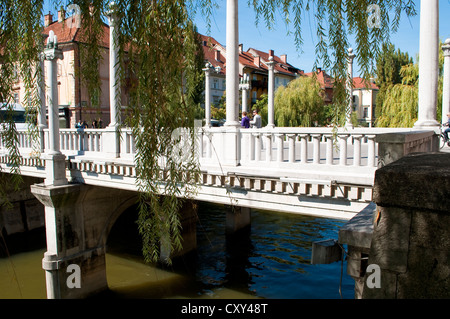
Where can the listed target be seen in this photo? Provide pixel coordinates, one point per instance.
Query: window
(215, 84)
(16, 98)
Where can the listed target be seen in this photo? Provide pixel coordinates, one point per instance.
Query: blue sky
(406, 38)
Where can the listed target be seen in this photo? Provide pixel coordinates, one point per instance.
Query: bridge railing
(300, 146)
(278, 147)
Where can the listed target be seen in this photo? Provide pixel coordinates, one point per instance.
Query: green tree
(399, 101)
(389, 63)
(300, 103)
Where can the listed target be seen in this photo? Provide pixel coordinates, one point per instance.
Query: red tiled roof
(210, 47)
(323, 78)
(280, 66)
(360, 83)
(67, 31)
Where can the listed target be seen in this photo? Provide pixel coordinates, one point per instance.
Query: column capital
(270, 63)
(351, 55)
(51, 51)
(446, 47)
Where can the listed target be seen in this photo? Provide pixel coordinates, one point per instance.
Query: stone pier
(78, 220)
(411, 231)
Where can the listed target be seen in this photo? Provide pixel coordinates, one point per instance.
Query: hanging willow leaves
(20, 45)
(160, 70)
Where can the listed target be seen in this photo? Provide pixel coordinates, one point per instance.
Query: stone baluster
(304, 148)
(371, 151)
(357, 150)
(316, 148)
(292, 138)
(343, 149)
(280, 147)
(257, 137)
(268, 146)
(329, 150)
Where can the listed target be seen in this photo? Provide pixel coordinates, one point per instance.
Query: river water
(271, 260)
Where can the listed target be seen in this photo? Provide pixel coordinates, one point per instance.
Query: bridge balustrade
(286, 147)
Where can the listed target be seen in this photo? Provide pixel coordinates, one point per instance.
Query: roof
(210, 47)
(325, 80)
(212, 50)
(280, 65)
(360, 83)
(67, 31)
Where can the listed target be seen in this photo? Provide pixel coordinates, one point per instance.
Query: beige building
(364, 101)
(73, 99)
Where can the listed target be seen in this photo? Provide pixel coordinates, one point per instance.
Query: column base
(111, 141)
(55, 167)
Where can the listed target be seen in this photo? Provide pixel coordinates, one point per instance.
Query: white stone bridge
(310, 171)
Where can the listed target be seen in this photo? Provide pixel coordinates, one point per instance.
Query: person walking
(256, 122)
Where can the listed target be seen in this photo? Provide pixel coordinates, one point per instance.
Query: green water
(271, 261)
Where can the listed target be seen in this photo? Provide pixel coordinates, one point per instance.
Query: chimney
(257, 61)
(217, 55)
(241, 48)
(283, 58)
(61, 15)
(270, 52)
(48, 19)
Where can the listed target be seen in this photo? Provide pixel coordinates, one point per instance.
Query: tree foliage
(398, 98)
(389, 63)
(300, 103)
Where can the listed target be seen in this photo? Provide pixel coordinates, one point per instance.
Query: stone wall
(411, 235)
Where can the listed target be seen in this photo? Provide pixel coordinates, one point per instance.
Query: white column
(232, 78)
(207, 70)
(42, 119)
(271, 89)
(351, 56)
(245, 87)
(232, 139)
(55, 160)
(446, 84)
(111, 138)
(428, 64)
(114, 85)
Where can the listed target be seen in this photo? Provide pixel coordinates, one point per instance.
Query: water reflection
(271, 259)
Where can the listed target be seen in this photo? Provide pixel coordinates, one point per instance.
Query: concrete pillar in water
(429, 64)
(77, 219)
(237, 218)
